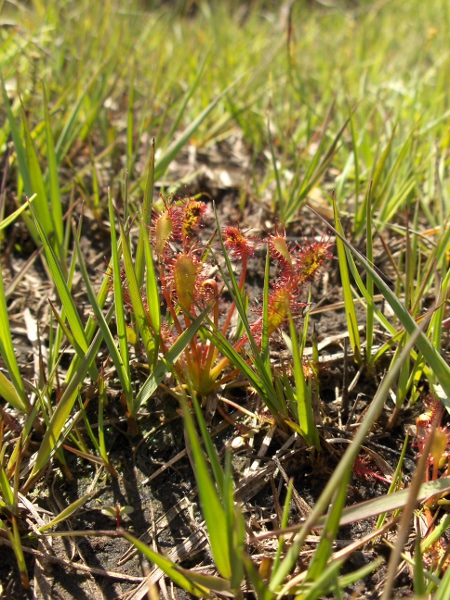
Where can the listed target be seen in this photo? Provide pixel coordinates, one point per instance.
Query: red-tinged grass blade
(58, 426)
(139, 311)
(345, 465)
(350, 311)
(169, 359)
(167, 566)
(73, 318)
(440, 370)
(212, 507)
(18, 396)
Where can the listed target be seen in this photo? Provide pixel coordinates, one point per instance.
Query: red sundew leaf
(237, 244)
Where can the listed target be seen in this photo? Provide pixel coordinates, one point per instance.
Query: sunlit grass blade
(369, 280)
(316, 169)
(140, 314)
(212, 508)
(142, 257)
(70, 128)
(120, 310)
(152, 290)
(18, 145)
(102, 323)
(41, 204)
(165, 365)
(66, 513)
(7, 221)
(59, 422)
(53, 183)
(440, 368)
(167, 566)
(18, 395)
(350, 312)
(71, 313)
(302, 397)
(176, 146)
(345, 465)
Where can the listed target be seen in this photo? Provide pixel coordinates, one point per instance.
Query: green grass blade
(350, 312)
(217, 470)
(116, 357)
(437, 363)
(19, 395)
(305, 411)
(212, 508)
(167, 566)
(59, 422)
(66, 513)
(18, 145)
(369, 280)
(9, 393)
(176, 146)
(140, 313)
(170, 358)
(146, 218)
(40, 205)
(53, 175)
(65, 296)
(120, 310)
(6, 222)
(345, 465)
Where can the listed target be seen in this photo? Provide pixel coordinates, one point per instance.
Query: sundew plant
(192, 282)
